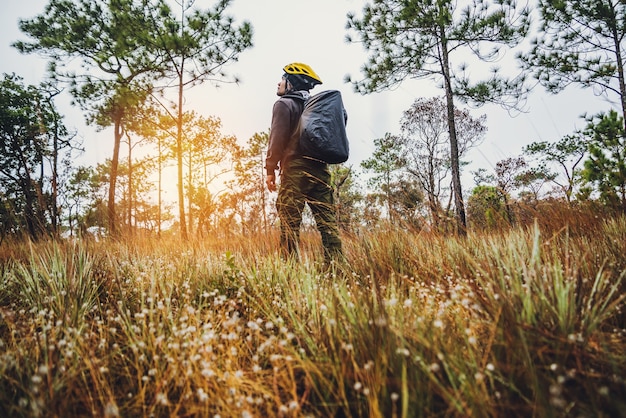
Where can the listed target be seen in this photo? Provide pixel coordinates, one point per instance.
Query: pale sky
(314, 32)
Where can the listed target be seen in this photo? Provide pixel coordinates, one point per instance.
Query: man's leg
(289, 205)
(321, 202)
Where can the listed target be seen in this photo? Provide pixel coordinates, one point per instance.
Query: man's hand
(271, 182)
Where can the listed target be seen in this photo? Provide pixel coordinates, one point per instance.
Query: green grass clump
(528, 322)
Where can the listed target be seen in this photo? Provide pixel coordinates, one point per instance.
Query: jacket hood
(298, 94)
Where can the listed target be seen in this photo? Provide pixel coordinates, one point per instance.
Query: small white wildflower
(202, 395)
(403, 351)
(554, 366)
(161, 398)
(381, 321)
(358, 386)
(438, 323)
(434, 367)
(111, 410)
(408, 303)
(555, 390)
(490, 367)
(394, 396)
(208, 336)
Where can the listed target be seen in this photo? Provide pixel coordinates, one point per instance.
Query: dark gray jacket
(284, 132)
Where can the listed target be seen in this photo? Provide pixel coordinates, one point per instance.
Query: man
(303, 179)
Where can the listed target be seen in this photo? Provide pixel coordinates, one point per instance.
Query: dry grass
(528, 322)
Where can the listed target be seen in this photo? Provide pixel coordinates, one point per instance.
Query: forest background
(239, 111)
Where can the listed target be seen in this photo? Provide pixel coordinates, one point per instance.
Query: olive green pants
(305, 181)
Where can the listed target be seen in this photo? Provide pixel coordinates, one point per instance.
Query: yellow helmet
(301, 76)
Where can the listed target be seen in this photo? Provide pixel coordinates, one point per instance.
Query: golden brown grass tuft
(526, 322)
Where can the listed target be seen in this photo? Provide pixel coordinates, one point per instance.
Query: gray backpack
(323, 128)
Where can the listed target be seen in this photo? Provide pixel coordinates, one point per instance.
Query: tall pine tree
(422, 39)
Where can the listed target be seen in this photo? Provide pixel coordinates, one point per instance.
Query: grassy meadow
(527, 322)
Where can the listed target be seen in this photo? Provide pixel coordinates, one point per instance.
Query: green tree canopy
(421, 39)
(580, 42)
(196, 46)
(385, 163)
(606, 165)
(102, 49)
(31, 137)
(114, 53)
(567, 153)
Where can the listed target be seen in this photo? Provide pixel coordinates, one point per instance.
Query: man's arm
(279, 136)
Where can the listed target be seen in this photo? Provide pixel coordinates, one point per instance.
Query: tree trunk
(29, 211)
(160, 162)
(179, 159)
(118, 132)
(262, 191)
(55, 187)
(130, 186)
(620, 71)
(189, 193)
(454, 146)
(433, 198)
